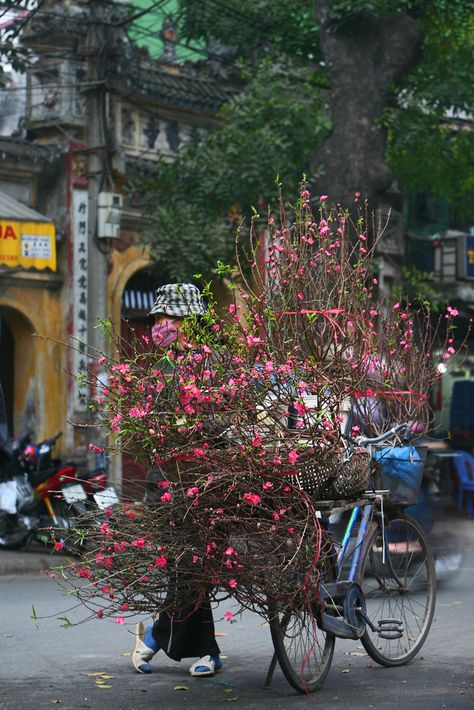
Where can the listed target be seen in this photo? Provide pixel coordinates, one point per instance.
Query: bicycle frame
(366, 515)
(340, 608)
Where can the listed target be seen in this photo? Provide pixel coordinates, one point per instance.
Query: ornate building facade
(63, 144)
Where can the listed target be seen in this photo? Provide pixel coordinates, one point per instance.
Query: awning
(27, 238)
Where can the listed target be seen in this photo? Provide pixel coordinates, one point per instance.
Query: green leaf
(67, 624)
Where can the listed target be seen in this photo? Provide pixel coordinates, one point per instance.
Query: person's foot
(206, 666)
(145, 648)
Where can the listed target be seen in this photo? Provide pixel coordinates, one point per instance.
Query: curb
(13, 564)
(30, 560)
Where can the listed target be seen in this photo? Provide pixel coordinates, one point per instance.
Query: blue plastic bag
(400, 472)
(402, 461)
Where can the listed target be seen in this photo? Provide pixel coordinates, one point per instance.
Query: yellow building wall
(124, 264)
(36, 319)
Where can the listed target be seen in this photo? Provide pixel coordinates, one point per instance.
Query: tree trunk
(363, 57)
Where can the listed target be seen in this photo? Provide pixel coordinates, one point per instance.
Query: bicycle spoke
(304, 651)
(409, 561)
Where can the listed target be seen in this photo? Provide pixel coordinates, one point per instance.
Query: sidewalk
(31, 560)
(456, 530)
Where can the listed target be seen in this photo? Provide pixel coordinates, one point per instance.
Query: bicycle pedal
(390, 629)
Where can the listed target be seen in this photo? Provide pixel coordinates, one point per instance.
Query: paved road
(47, 666)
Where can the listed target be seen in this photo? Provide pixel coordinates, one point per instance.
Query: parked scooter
(49, 495)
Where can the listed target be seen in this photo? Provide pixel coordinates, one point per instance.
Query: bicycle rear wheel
(304, 651)
(398, 579)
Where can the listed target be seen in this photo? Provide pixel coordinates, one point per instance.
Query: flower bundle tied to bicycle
(249, 423)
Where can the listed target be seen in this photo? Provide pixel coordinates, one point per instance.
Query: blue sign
(469, 255)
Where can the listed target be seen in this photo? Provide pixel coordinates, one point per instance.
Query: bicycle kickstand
(270, 672)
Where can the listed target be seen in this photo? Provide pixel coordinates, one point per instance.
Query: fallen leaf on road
(229, 700)
(345, 670)
(102, 685)
(127, 653)
(96, 673)
(180, 687)
(107, 677)
(221, 633)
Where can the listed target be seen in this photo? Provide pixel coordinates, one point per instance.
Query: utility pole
(98, 180)
(96, 153)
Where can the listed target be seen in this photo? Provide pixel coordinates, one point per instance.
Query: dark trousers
(190, 634)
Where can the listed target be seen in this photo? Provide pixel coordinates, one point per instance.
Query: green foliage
(11, 54)
(279, 119)
(419, 287)
(254, 27)
(271, 127)
(430, 146)
(343, 12)
(433, 153)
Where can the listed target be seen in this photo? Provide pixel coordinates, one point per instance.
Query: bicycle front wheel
(398, 578)
(304, 651)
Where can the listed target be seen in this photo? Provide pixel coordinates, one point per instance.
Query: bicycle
(378, 585)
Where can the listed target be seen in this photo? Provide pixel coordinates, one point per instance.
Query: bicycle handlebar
(365, 440)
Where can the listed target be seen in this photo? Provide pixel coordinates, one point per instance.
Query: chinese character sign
(79, 293)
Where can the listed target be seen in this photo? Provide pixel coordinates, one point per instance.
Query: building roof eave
(20, 148)
(18, 212)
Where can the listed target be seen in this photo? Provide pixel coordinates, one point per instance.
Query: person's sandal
(145, 649)
(206, 666)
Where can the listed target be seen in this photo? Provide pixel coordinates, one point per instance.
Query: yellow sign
(27, 244)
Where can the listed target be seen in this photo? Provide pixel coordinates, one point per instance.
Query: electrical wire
(154, 9)
(141, 13)
(81, 20)
(31, 14)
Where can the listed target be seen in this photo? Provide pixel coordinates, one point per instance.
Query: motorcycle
(448, 550)
(49, 496)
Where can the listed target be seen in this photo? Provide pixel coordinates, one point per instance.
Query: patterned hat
(178, 300)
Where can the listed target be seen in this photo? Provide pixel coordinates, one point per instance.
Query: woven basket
(327, 480)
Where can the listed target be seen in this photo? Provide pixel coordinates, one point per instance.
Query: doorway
(137, 301)
(7, 372)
